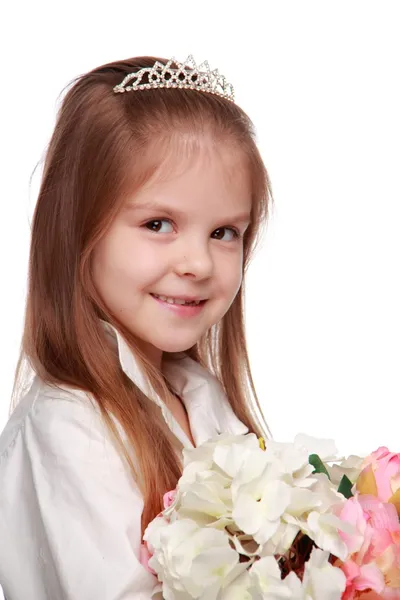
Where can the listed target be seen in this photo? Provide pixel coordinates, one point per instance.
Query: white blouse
(69, 512)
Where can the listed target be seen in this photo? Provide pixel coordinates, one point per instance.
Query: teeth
(176, 300)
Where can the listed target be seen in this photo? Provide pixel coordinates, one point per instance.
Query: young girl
(150, 206)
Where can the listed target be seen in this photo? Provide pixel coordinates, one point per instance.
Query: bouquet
(256, 521)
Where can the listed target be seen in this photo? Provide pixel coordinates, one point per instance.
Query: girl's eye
(156, 229)
(234, 232)
(154, 226)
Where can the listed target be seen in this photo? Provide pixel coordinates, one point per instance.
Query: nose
(195, 260)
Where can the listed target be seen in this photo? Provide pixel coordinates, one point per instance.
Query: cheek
(237, 282)
(116, 268)
(231, 278)
(110, 265)
(229, 286)
(134, 255)
(99, 265)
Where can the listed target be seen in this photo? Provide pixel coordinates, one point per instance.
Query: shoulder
(68, 503)
(49, 420)
(56, 448)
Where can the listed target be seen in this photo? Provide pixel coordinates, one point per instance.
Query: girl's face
(177, 238)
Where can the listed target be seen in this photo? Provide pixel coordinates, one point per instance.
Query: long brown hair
(104, 144)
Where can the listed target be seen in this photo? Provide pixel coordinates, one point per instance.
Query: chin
(172, 346)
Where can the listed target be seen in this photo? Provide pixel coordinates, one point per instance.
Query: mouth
(180, 307)
(180, 301)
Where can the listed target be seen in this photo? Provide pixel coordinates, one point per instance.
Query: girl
(149, 209)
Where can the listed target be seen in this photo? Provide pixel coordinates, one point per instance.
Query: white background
(321, 82)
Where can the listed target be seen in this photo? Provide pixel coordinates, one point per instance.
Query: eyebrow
(243, 217)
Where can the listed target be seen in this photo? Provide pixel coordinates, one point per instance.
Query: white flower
(312, 511)
(207, 500)
(330, 499)
(152, 534)
(295, 457)
(261, 581)
(235, 498)
(351, 467)
(192, 561)
(266, 577)
(259, 504)
(324, 530)
(326, 449)
(295, 586)
(321, 579)
(282, 539)
(303, 501)
(205, 452)
(294, 464)
(197, 471)
(231, 457)
(239, 589)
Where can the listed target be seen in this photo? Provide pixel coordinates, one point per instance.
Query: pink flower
(169, 498)
(374, 561)
(380, 476)
(389, 563)
(359, 579)
(145, 556)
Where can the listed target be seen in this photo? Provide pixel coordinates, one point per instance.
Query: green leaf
(318, 465)
(345, 486)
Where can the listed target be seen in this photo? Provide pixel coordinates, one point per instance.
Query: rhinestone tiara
(199, 78)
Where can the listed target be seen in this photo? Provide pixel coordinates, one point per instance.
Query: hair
(103, 146)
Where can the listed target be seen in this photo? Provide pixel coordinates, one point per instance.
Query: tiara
(199, 78)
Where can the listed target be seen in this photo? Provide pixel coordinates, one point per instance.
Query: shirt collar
(186, 376)
(199, 389)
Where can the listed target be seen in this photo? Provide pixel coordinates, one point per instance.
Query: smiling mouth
(181, 310)
(178, 301)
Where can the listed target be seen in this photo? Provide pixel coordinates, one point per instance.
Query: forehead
(204, 175)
